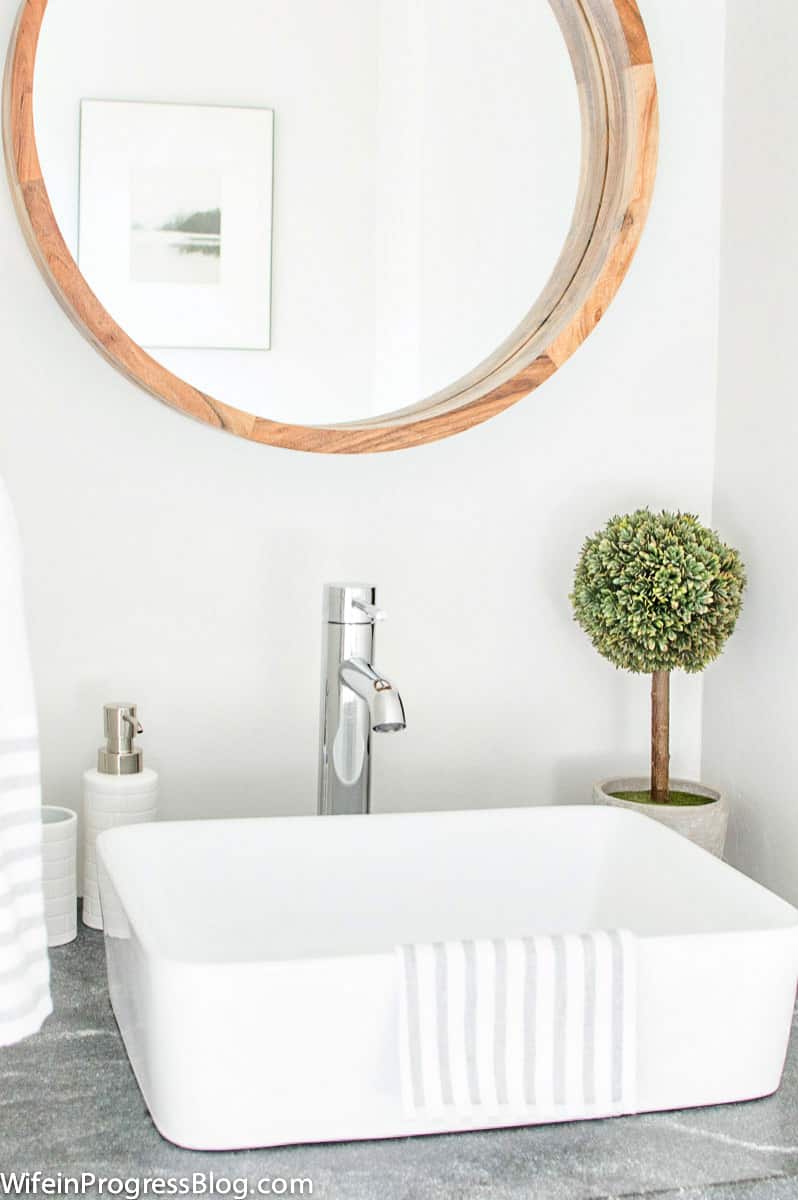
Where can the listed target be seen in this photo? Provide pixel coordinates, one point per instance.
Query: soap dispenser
(119, 791)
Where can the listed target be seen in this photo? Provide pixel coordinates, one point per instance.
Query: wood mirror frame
(612, 63)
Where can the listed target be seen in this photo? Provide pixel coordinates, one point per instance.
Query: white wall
(751, 708)
(182, 568)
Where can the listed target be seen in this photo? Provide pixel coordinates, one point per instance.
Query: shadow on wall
(749, 838)
(573, 777)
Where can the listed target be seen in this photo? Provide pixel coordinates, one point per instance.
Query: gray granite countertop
(69, 1104)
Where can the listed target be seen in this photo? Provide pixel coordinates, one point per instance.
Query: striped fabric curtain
(24, 969)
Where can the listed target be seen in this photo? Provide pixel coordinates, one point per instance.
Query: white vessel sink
(252, 971)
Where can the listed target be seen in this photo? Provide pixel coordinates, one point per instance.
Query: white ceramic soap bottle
(119, 791)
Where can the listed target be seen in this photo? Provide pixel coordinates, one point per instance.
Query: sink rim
(114, 861)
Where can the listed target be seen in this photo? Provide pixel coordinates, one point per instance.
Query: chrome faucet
(356, 700)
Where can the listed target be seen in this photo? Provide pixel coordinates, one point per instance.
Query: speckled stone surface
(69, 1103)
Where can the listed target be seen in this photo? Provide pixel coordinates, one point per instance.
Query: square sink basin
(253, 973)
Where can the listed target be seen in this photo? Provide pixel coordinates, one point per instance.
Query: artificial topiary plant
(655, 592)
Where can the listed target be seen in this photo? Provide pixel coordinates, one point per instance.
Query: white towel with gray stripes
(24, 968)
(541, 1027)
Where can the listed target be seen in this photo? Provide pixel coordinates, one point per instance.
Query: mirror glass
(314, 211)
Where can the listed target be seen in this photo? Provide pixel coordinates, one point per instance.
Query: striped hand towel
(539, 1027)
(24, 969)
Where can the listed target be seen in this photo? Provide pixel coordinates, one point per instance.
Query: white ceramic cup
(59, 873)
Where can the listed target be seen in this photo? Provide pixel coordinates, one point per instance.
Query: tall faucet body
(356, 699)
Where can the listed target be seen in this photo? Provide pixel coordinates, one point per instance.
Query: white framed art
(175, 228)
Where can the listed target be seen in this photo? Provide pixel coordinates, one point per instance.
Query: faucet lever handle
(370, 610)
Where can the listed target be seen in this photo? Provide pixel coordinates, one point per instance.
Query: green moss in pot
(655, 593)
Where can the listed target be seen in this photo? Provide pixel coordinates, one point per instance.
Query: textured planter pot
(704, 824)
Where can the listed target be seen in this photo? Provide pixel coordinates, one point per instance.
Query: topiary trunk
(660, 736)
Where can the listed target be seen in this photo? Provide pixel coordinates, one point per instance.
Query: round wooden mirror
(295, 237)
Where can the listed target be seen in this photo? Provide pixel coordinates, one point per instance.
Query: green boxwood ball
(658, 591)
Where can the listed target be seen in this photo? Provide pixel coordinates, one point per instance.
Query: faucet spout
(386, 711)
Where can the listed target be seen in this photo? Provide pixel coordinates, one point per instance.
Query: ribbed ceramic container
(109, 801)
(704, 824)
(59, 873)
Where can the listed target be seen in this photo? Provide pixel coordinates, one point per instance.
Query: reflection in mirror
(315, 212)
